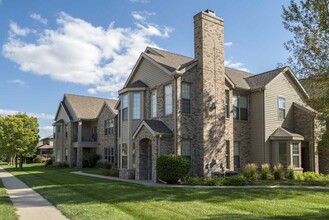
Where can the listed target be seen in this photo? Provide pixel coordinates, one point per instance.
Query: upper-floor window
(240, 107)
(66, 130)
(168, 99)
(109, 126)
(236, 155)
(136, 105)
(153, 99)
(186, 149)
(227, 103)
(186, 97)
(282, 107)
(125, 107)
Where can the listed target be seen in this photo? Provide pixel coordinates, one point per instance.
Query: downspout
(175, 114)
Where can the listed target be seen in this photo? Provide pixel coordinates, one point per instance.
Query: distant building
(45, 146)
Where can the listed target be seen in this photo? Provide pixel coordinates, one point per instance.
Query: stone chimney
(210, 117)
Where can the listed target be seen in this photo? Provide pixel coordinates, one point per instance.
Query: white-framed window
(227, 103)
(125, 107)
(109, 127)
(283, 153)
(109, 154)
(186, 97)
(236, 155)
(295, 154)
(136, 105)
(240, 107)
(187, 149)
(281, 107)
(153, 99)
(124, 156)
(168, 99)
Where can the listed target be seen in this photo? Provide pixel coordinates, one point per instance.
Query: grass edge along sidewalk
(81, 197)
(7, 210)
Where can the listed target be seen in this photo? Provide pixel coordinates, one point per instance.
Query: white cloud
(38, 18)
(17, 81)
(228, 44)
(235, 65)
(78, 52)
(141, 15)
(46, 128)
(139, 1)
(17, 30)
(6, 112)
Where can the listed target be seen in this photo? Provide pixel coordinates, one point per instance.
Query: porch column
(79, 149)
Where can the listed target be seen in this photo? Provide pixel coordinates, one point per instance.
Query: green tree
(20, 136)
(308, 20)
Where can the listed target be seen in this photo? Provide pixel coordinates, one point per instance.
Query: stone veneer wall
(109, 140)
(304, 124)
(210, 92)
(242, 135)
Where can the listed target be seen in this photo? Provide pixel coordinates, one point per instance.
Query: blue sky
(85, 47)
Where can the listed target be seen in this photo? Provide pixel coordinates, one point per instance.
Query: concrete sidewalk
(29, 204)
(151, 183)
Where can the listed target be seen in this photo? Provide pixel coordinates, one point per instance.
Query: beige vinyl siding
(283, 86)
(62, 115)
(125, 133)
(150, 74)
(257, 126)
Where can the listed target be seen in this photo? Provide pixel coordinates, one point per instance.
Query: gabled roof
(168, 60)
(238, 77)
(44, 147)
(156, 127)
(86, 107)
(305, 108)
(112, 109)
(261, 80)
(137, 84)
(283, 134)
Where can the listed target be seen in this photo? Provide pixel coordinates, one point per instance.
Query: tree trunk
(20, 161)
(16, 158)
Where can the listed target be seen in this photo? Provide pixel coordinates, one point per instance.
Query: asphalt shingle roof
(240, 79)
(86, 107)
(158, 126)
(261, 80)
(137, 84)
(168, 60)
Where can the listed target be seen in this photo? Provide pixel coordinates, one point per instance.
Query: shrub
(114, 172)
(278, 172)
(103, 164)
(49, 162)
(250, 171)
(291, 173)
(93, 158)
(171, 168)
(300, 177)
(105, 172)
(265, 171)
(193, 181)
(60, 164)
(238, 180)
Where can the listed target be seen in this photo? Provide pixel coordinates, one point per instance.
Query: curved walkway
(29, 204)
(151, 183)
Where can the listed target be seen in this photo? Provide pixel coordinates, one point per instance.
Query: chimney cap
(211, 12)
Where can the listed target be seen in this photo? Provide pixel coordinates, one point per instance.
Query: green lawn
(80, 197)
(7, 211)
